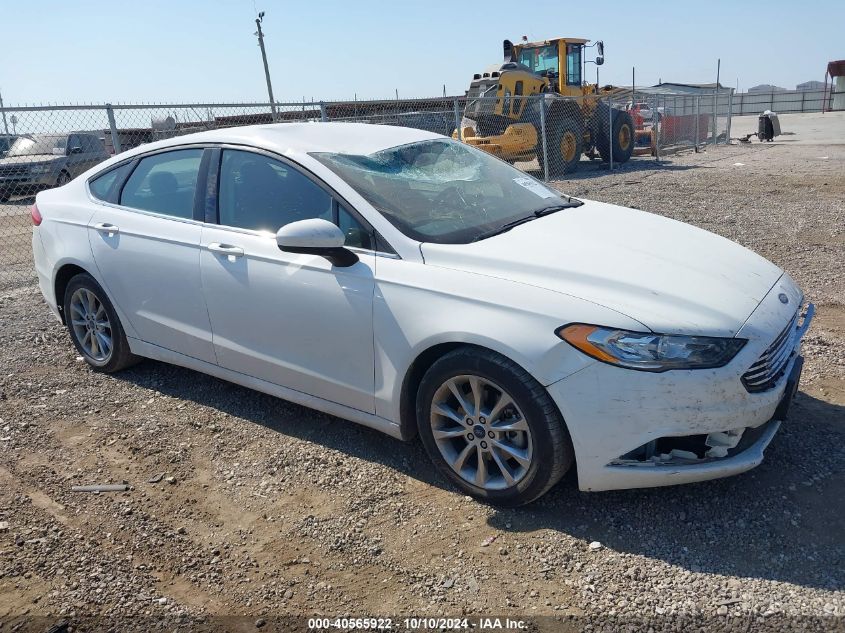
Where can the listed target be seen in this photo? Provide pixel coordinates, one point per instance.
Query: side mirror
(76, 149)
(600, 57)
(317, 237)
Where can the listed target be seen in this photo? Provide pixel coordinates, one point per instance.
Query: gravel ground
(244, 508)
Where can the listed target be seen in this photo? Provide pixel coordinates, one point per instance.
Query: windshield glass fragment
(441, 190)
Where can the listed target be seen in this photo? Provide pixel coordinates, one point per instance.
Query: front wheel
(63, 179)
(491, 428)
(564, 146)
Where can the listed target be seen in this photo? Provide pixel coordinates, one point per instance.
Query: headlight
(648, 351)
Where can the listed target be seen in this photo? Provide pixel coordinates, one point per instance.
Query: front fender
(417, 307)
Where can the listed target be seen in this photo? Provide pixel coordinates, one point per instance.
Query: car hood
(672, 277)
(29, 159)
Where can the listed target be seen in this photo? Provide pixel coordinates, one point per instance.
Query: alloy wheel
(91, 326)
(481, 432)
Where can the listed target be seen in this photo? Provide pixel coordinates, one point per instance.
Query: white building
(810, 85)
(766, 88)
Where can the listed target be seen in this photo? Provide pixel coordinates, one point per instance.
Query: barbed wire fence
(547, 136)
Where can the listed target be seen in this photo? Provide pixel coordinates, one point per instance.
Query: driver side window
(260, 193)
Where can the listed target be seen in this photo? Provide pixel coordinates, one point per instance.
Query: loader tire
(623, 135)
(564, 146)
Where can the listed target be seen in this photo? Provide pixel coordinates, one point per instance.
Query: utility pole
(260, 35)
(5, 123)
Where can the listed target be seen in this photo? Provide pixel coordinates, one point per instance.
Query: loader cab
(559, 60)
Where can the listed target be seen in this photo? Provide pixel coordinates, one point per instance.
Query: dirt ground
(244, 509)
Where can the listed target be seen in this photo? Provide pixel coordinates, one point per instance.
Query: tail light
(36, 215)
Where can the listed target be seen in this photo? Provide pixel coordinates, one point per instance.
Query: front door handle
(226, 249)
(105, 227)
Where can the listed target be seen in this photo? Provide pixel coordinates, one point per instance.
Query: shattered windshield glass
(442, 190)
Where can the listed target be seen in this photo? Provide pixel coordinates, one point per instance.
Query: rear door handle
(226, 249)
(105, 227)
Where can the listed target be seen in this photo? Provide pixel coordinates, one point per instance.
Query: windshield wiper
(569, 204)
(539, 213)
(507, 226)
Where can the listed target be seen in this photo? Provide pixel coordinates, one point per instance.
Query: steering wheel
(446, 195)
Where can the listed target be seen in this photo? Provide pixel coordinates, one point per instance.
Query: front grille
(771, 365)
(14, 170)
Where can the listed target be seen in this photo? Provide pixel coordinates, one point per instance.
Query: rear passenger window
(164, 183)
(101, 186)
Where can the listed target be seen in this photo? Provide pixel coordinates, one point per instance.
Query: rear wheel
(622, 136)
(94, 327)
(564, 145)
(491, 428)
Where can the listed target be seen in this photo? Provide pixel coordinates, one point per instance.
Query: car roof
(303, 138)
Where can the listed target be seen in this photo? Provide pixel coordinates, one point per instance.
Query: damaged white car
(416, 285)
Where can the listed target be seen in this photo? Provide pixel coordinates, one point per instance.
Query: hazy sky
(158, 51)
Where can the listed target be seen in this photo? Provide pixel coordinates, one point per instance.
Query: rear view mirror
(317, 237)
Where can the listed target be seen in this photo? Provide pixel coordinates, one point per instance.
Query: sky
(157, 51)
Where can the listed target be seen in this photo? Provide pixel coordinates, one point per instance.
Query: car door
(146, 242)
(76, 157)
(93, 150)
(294, 320)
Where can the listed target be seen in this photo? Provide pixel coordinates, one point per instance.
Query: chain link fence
(681, 121)
(547, 136)
(783, 102)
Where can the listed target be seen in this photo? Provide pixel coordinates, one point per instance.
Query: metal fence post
(115, 138)
(458, 119)
(323, 116)
(730, 114)
(697, 120)
(610, 133)
(803, 94)
(655, 126)
(715, 111)
(543, 137)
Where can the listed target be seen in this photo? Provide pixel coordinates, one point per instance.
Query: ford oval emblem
(783, 298)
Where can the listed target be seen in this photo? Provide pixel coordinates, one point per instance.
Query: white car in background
(414, 284)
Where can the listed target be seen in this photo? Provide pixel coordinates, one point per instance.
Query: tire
(5, 195)
(84, 297)
(623, 134)
(564, 145)
(62, 179)
(535, 450)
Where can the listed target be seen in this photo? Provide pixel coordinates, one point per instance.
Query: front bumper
(611, 411)
(27, 181)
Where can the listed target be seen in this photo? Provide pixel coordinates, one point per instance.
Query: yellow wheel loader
(504, 115)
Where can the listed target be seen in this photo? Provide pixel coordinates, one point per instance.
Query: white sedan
(416, 285)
